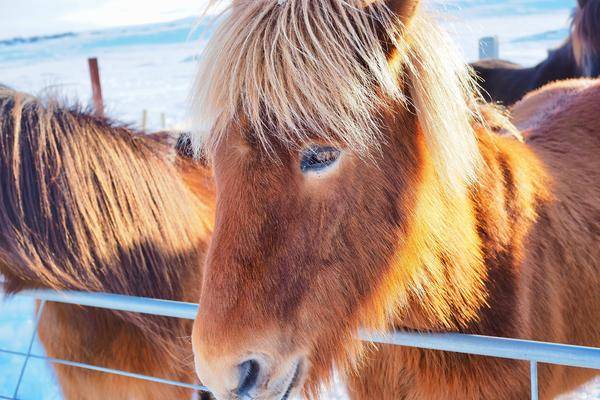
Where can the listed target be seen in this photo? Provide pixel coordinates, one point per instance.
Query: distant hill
(35, 39)
(52, 46)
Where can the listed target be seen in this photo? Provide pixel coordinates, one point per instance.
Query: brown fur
(527, 242)
(93, 206)
(579, 56)
(301, 262)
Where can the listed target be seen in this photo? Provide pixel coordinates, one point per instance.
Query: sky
(24, 18)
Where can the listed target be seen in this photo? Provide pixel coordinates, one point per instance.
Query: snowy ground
(152, 67)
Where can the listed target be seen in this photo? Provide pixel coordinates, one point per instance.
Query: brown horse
(93, 206)
(507, 82)
(358, 186)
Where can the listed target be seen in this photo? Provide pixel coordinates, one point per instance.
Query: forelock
(296, 70)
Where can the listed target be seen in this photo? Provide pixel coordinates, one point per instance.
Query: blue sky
(36, 17)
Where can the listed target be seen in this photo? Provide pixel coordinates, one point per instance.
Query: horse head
(326, 118)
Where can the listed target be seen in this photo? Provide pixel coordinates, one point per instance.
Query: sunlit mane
(300, 69)
(81, 209)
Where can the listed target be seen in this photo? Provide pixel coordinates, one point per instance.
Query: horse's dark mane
(586, 25)
(578, 56)
(507, 82)
(89, 204)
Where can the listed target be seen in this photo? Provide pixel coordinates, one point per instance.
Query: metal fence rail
(516, 349)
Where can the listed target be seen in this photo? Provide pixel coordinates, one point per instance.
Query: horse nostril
(249, 371)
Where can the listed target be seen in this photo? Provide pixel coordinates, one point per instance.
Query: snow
(17, 322)
(152, 67)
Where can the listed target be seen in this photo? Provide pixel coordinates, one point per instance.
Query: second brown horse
(86, 204)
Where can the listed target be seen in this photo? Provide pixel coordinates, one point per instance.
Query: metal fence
(525, 350)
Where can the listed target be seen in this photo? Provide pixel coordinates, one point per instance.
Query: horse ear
(403, 9)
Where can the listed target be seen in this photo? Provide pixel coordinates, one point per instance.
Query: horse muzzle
(256, 376)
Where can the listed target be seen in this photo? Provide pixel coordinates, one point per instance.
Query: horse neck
(465, 251)
(560, 64)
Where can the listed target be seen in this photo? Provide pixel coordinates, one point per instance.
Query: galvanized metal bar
(516, 349)
(107, 370)
(118, 302)
(534, 380)
(31, 341)
(551, 353)
(526, 350)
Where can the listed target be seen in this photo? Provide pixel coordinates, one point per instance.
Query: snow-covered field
(151, 67)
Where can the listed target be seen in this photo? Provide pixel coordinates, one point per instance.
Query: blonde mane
(304, 69)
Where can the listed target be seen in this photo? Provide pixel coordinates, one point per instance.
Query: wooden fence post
(489, 47)
(96, 87)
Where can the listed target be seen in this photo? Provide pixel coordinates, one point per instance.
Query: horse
(88, 204)
(358, 185)
(506, 82)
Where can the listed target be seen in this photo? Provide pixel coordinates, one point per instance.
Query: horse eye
(318, 158)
